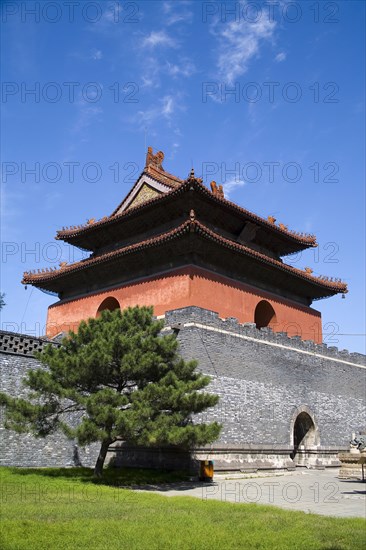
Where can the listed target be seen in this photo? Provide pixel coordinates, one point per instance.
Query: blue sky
(266, 98)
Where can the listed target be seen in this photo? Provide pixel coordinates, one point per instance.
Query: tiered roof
(188, 224)
(169, 204)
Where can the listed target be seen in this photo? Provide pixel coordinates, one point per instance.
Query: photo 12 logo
(269, 172)
(270, 492)
(70, 11)
(272, 11)
(68, 172)
(69, 92)
(270, 92)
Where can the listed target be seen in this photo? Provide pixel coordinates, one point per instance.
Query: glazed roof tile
(309, 240)
(191, 225)
(163, 177)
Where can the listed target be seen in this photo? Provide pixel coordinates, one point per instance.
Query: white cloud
(167, 6)
(184, 17)
(174, 150)
(165, 109)
(96, 54)
(154, 69)
(185, 68)
(112, 12)
(159, 38)
(231, 186)
(177, 12)
(168, 106)
(93, 54)
(150, 77)
(280, 57)
(87, 114)
(113, 15)
(239, 42)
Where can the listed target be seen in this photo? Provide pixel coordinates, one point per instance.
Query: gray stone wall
(264, 380)
(16, 359)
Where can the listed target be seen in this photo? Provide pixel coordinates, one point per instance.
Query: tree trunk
(98, 470)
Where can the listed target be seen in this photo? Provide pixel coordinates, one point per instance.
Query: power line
(26, 306)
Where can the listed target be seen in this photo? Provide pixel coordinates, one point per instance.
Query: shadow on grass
(120, 477)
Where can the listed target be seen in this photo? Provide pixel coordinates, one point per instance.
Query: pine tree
(126, 380)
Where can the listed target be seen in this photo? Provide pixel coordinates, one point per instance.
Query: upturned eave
(58, 279)
(85, 236)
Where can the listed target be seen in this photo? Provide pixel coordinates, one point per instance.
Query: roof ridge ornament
(218, 191)
(192, 177)
(154, 160)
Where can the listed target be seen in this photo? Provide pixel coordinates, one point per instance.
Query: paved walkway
(317, 492)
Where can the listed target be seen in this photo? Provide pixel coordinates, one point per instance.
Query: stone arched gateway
(304, 436)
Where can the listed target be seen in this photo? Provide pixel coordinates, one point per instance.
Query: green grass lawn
(64, 509)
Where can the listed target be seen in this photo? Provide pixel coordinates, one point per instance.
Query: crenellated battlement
(210, 319)
(23, 344)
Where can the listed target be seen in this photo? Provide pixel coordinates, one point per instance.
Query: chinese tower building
(173, 243)
(215, 272)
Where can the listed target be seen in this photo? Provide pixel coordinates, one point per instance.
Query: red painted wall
(191, 286)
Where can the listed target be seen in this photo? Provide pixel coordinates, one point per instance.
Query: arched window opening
(109, 303)
(264, 315)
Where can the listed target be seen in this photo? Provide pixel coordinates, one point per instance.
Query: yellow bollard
(206, 470)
